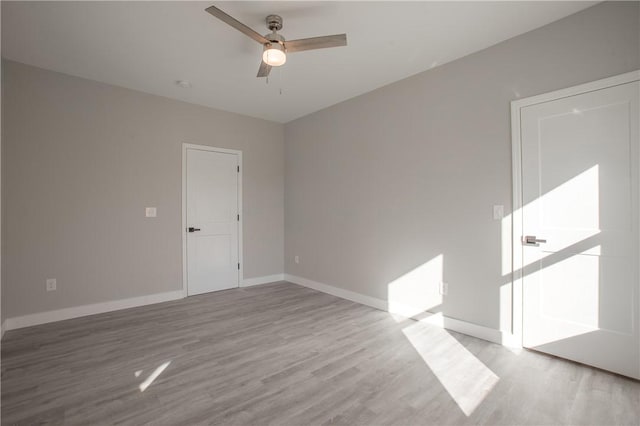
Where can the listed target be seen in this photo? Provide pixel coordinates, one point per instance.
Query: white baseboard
(84, 310)
(374, 302)
(464, 327)
(248, 282)
(99, 308)
(437, 319)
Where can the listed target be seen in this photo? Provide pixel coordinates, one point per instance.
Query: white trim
(577, 90)
(185, 147)
(84, 310)
(184, 220)
(511, 340)
(248, 282)
(516, 225)
(516, 161)
(464, 327)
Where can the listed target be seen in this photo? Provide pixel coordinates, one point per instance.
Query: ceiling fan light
(274, 55)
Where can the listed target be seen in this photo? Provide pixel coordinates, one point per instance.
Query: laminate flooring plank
(281, 354)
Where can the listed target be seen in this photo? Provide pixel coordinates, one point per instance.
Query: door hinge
(238, 266)
(238, 218)
(238, 169)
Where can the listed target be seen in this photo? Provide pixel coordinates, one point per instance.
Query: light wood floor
(287, 355)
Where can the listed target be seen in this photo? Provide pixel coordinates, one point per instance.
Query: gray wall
(2, 312)
(80, 162)
(380, 184)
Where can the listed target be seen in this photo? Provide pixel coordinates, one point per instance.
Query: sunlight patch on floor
(467, 380)
(153, 376)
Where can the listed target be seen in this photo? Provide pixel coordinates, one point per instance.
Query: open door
(580, 227)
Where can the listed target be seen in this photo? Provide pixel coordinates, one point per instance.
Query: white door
(212, 218)
(580, 194)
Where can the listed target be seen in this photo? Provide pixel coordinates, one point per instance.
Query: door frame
(517, 259)
(188, 146)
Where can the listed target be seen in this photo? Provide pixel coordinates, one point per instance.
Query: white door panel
(212, 212)
(580, 194)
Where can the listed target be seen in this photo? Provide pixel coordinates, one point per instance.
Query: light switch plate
(498, 212)
(150, 212)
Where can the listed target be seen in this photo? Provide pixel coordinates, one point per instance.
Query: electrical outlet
(150, 212)
(51, 284)
(444, 288)
(296, 259)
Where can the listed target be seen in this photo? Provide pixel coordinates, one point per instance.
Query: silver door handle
(531, 240)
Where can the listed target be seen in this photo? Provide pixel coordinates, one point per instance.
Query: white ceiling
(149, 45)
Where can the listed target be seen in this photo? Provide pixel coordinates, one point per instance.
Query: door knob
(192, 229)
(531, 240)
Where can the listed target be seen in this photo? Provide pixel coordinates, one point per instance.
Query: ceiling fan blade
(264, 69)
(335, 40)
(236, 24)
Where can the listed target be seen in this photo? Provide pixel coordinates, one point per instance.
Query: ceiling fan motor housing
(274, 22)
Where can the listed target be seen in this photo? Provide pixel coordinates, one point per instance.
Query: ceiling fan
(275, 47)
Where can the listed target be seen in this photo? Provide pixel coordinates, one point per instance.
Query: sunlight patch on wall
(418, 290)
